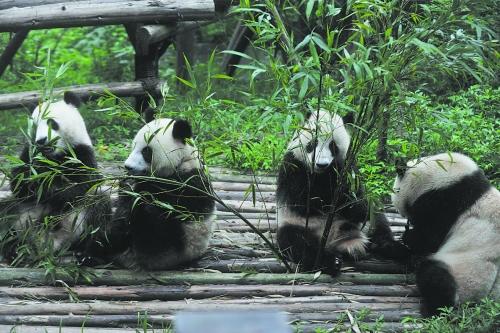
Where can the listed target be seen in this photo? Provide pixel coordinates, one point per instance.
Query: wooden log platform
(238, 272)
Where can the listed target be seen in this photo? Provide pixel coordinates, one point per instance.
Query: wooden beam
(220, 5)
(239, 42)
(11, 49)
(185, 46)
(6, 4)
(29, 98)
(96, 12)
(147, 35)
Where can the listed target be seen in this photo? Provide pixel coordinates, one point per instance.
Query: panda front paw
(390, 249)
(410, 238)
(333, 266)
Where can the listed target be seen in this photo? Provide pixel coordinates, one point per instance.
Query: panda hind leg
(436, 285)
(302, 247)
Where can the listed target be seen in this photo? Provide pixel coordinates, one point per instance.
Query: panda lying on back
(163, 217)
(455, 217)
(299, 179)
(63, 151)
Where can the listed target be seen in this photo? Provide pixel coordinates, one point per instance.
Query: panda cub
(454, 213)
(66, 199)
(323, 139)
(165, 213)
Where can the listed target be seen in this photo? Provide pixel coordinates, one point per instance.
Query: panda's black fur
(297, 182)
(144, 233)
(65, 187)
(454, 214)
(64, 198)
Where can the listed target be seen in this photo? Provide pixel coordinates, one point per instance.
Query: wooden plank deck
(237, 273)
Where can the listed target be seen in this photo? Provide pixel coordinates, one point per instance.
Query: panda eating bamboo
(58, 200)
(165, 210)
(312, 174)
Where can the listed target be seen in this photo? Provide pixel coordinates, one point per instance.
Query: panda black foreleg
(436, 285)
(302, 247)
(382, 241)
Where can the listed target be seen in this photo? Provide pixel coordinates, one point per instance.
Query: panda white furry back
(165, 210)
(454, 214)
(311, 175)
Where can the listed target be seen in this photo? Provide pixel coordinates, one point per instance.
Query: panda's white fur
(465, 255)
(72, 130)
(298, 172)
(59, 128)
(150, 238)
(326, 127)
(169, 155)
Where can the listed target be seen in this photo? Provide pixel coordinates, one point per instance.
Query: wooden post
(239, 42)
(185, 46)
(149, 47)
(11, 49)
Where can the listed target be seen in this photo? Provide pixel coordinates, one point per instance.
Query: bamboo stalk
(17, 276)
(57, 329)
(248, 207)
(267, 180)
(171, 307)
(163, 320)
(180, 292)
(217, 185)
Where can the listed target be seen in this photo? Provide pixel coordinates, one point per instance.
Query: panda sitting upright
(454, 213)
(165, 211)
(324, 139)
(66, 199)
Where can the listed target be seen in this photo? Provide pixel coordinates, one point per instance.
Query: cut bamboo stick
(180, 292)
(164, 320)
(171, 307)
(17, 276)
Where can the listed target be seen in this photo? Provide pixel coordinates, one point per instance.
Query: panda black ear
(308, 114)
(182, 130)
(348, 118)
(72, 99)
(401, 167)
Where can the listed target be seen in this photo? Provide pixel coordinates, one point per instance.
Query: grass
(483, 317)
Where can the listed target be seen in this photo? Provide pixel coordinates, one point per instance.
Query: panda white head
(427, 174)
(59, 125)
(324, 138)
(160, 149)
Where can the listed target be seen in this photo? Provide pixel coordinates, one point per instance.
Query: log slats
(97, 12)
(30, 98)
(238, 272)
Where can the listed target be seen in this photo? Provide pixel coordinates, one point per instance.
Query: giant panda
(165, 210)
(324, 139)
(454, 214)
(56, 184)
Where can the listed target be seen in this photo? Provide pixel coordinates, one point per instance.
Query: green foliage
(481, 318)
(96, 54)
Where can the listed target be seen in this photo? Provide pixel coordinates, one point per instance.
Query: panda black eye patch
(333, 147)
(53, 124)
(311, 145)
(147, 154)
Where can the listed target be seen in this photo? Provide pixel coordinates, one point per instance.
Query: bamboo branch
(20, 276)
